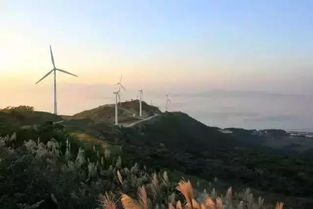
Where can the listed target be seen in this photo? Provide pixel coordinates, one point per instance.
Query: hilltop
(128, 112)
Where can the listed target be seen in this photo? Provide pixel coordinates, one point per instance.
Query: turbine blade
(123, 87)
(52, 59)
(44, 76)
(63, 71)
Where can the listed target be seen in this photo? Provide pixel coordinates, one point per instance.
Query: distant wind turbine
(116, 107)
(54, 70)
(120, 87)
(140, 102)
(167, 102)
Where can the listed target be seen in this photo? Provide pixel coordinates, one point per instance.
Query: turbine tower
(116, 108)
(120, 87)
(167, 102)
(140, 102)
(54, 71)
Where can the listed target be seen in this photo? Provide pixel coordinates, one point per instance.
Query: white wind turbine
(116, 93)
(120, 87)
(167, 102)
(140, 102)
(54, 70)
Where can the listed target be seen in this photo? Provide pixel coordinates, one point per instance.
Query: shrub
(18, 109)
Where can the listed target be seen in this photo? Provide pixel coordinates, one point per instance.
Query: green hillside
(176, 130)
(12, 119)
(67, 161)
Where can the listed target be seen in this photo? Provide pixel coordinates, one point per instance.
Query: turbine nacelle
(54, 68)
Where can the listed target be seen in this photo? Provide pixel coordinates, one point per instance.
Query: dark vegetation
(41, 158)
(204, 151)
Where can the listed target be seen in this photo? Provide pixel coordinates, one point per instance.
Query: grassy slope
(178, 132)
(165, 142)
(10, 122)
(180, 143)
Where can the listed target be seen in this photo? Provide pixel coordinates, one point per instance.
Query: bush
(18, 109)
(51, 174)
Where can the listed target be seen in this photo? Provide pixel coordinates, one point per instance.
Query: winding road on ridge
(141, 121)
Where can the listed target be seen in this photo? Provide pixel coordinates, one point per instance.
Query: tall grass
(192, 201)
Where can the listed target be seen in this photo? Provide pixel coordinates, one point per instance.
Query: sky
(186, 48)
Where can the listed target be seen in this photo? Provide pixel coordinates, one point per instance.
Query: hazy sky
(162, 46)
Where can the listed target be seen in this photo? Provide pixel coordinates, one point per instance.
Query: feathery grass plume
(107, 202)
(119, 177)
(143, 197)
(80, 158)
(279, 205)
(171, 198)
(209, 203)
(134, 168)
(240, 205)
(202, 206)
(129, 203)
(260, 202)
(186, 189)
(170, 206)
(155, 181)
(118, 163)
(165, 178)
(68, 150)
(195, 204)
(107, 154)
(219, 203)
(229, 194)
(179, 205)
(155, 185)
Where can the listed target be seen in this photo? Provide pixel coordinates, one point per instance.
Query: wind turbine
(140, 102)
(54, 70)
(168, 100)
(116, 108)
(120, 87)
(116, 93)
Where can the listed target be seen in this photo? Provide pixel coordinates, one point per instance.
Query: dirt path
(140, 121)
